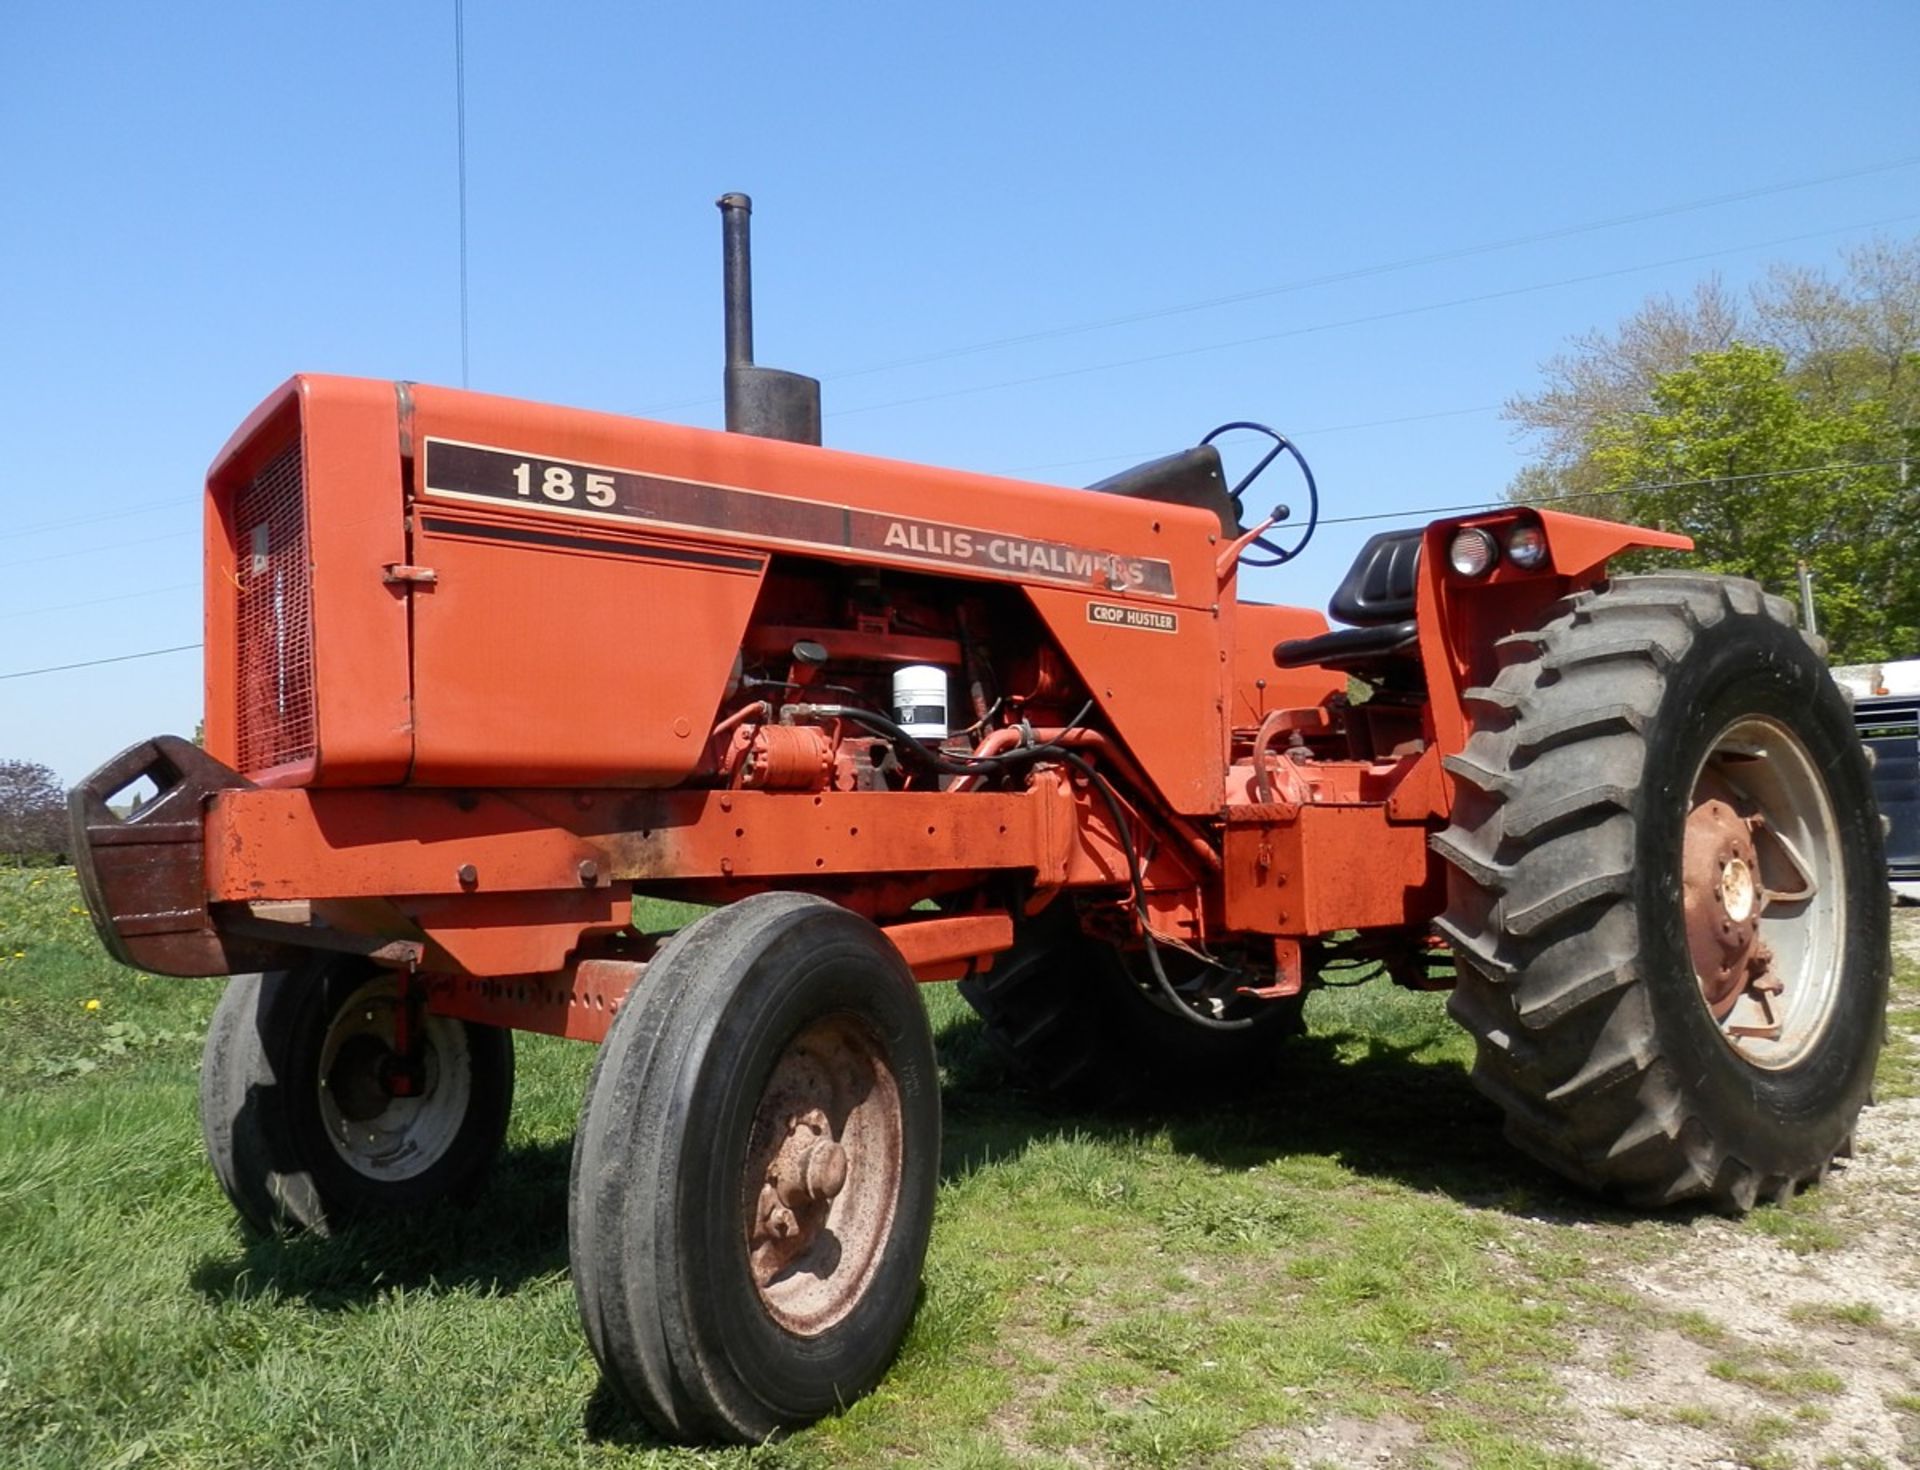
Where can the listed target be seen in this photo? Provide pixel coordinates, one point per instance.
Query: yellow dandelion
(93, 1005)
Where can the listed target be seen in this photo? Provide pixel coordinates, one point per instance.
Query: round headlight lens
(1527, 546)
(1473, 552)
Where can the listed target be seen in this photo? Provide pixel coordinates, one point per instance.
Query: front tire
(1665, 896)
(297, 1104)
(754, 1172)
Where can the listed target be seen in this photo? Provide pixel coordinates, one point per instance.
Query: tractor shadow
(1382, 1106)
(1372, 1104)
(1377, 1105)
(512, 1232)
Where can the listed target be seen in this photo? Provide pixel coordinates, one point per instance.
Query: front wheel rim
(379, 1135)
(825, 1160)
(1762, 889)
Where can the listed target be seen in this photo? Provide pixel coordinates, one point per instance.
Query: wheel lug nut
(824, 1170)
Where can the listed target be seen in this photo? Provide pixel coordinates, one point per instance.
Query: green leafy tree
(33, 813)
(1755, 426)
(1764, 475)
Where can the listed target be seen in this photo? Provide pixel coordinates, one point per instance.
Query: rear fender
(1462, 618)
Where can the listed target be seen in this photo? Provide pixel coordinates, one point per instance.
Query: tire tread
(1541, 861)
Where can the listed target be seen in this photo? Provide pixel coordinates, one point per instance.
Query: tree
(33, 813)
(1732, 453)
(1744, 401)
(1603, 375)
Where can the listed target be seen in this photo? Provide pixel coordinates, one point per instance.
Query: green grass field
(1161, 1290)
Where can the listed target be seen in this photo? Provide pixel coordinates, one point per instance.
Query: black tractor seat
(1347, 648)
(1376, 597)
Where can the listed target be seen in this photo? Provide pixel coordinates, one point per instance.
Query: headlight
(1473, 552)
(1527, 547)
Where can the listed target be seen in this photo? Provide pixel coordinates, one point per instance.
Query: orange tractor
(480, 673)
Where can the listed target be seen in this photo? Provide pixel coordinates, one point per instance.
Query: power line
(1372, 317)
(1412, 418)
(28, 612)
(460, 110)
(1437, 257)
(96, 662)
(145, 507)
(33, 561)
(1385, 515)
(1634, 489)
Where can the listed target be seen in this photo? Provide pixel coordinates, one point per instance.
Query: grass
(1164, 1289)
(1844, 1314)
(1782, 1375)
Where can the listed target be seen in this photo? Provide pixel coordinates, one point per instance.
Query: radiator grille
(274, 617)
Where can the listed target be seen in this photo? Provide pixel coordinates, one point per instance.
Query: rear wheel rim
(1763, 900)
(824, 1166)
(377, 1134)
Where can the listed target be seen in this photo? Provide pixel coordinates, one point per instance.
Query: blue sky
(197, 201)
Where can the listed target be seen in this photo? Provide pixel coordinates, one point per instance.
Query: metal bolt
(824, 1169)
(468, 875)
(589, 871)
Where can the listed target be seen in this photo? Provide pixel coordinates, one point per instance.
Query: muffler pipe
(762, 401)
(736, 258)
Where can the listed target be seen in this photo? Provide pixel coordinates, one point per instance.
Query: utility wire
(1412, 418)
(33, 561)
(1437, 257)
(144, 507)
(460, 111)
(1385, 515)
(28, 612)
(1380, 316)
(96, 662)
(1390, 267)
(1634, 489)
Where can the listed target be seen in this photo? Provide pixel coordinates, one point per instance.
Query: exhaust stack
(760, 400)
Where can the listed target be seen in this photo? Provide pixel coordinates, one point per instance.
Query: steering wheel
(1276, 556)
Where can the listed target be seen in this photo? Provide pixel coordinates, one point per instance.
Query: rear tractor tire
(305, 1123)
(754, 1172)
(1072, 1021)
(1666, 896)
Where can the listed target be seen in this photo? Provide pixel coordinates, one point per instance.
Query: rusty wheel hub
(823, 1170)
(1723, 897)
(1759, 892)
